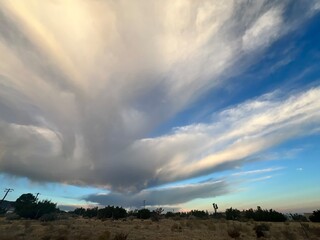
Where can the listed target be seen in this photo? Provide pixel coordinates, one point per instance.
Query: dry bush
(315, 231)
(12, 216)
(212, 226)
(46, 237)
(121, 236)
(289, 235)
(261, 230)
(104, 236)
(234, 233)
(176, 227)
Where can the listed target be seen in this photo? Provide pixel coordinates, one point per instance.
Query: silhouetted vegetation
(264, 215)
(170, 214)
(298, 218)
(315, 217)
(156, 214)
(27, 206)
(102, 213)
(199, 214)
(144, 213)
(233, 214)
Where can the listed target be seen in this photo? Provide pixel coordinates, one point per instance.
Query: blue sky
(181, 104)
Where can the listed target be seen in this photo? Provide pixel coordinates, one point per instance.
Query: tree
(315, 217)
(27, 206)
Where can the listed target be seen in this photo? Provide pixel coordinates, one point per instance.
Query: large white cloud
(82, 83)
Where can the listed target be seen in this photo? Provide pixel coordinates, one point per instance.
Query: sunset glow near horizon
(177, 103)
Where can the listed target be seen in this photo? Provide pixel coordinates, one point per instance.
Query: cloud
(83, 84)
(264, 30)
(258, 171)
(164, 196)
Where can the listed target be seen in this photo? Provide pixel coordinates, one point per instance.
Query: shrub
(298, 218)
(289, 234)
(45, 207)
(234, 233)
(144, 213)
(264, 215)
(156, 214)
(121, 236)
(12, 216)
(199, 213)
(176, 227)
(232, 214)
(104, 236)
(315, 217)
(261, 229)
(169, 215)
(79, 211)
(48, 217)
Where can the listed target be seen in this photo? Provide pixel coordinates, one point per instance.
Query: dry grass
(194, 229)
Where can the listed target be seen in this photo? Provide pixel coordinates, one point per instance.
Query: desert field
(135, 229)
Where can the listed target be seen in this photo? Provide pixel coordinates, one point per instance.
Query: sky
(180, 104)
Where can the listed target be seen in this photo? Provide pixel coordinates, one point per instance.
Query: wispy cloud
(258, 171)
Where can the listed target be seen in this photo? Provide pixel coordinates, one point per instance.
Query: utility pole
(37, 196)
(7, 190)
(144, 204)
